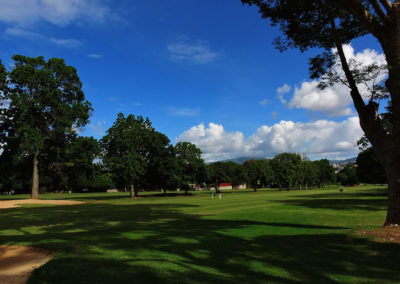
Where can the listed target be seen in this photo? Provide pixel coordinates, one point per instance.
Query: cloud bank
(317, 139)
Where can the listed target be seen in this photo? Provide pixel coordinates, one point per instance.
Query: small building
(226, 185)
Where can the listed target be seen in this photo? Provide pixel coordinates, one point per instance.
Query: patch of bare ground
(18, 262)
(385, 234)
(14, 203)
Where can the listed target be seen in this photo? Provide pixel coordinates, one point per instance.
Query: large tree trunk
(35, 176)
(132, 191)
(393, 211)
(386, 145)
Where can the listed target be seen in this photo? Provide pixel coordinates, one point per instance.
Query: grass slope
(246, 237)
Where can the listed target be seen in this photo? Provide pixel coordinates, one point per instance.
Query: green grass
(263, 237)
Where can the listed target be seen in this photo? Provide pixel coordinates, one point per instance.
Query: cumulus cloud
(64, 42)
(336, 100)
(317, 139)
(197, 53)
(214, 141)
(59, 12)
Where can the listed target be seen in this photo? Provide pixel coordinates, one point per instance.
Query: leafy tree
(266, 173)
(308, 174)
(219, 173)
(125, 150)
(101, 182)
(238, 176)
(163, 169)
(80, 166)
(45, 105)
(348, 175)
(325, 172)
(253, 173)
(369, 169)
(190, 161)
(286, 167)
(329, 24)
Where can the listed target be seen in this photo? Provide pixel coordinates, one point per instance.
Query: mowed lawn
(246, 237)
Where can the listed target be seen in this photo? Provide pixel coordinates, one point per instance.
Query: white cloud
(284, 89)
(197, 53)
(95, 55)
(98, 128)
(335, 100)
(281, 91)
(67, 43)
(264, 102)
(214, 141)
(174, 111)
(57, 12)
(114, 99)
(318, 139)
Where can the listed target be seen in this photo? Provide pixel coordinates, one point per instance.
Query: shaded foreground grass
(267, 236)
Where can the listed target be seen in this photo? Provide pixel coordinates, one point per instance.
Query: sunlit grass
(245, 237)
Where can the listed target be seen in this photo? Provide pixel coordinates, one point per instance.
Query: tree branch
(368, 114)
(379, 11)
(362, 14)
(387, 4)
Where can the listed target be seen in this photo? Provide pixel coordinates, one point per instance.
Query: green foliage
(348, 175)
(101, 183)
(129, 148)
(189, 162)
(369, 169)
(286, 166)
(45, 105)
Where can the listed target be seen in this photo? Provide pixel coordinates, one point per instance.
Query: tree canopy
(45, 106)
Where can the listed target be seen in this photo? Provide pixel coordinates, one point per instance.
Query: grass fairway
(268, 236)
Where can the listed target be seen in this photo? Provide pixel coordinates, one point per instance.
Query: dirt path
(14, 203)
(385, 234)
(18, 262)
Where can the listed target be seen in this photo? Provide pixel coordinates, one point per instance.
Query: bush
(102, 183)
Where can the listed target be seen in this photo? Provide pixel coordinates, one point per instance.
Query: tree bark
(132, 191)
(136, 192)
(35, 176)
(393, 211)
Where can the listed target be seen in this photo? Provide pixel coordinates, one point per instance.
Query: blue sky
(202, 71)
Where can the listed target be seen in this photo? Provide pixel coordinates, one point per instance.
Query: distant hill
(343, 162)
(241, 160)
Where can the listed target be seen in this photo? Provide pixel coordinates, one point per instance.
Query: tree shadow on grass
(159, 243)
(120, 195)
(371, 201)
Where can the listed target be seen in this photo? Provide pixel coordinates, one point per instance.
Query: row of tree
(43, 107)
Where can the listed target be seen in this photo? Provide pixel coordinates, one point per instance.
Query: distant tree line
(42, 108)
